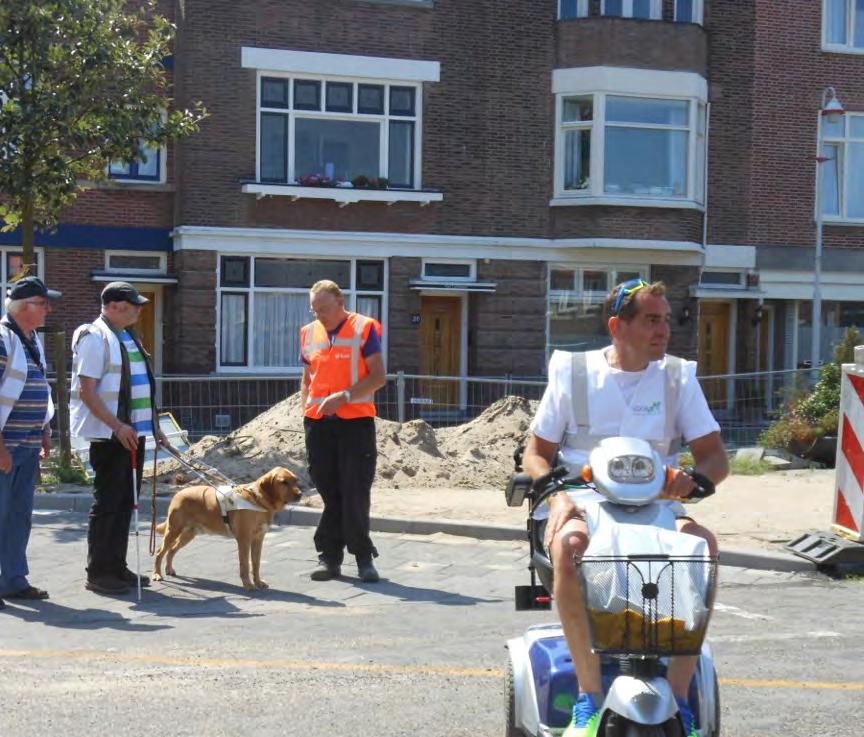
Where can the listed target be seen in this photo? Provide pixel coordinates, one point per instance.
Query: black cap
(31, 286)
(121, 291)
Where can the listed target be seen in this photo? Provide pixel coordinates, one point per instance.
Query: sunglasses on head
(628, 287)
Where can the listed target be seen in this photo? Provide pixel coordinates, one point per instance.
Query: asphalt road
(420, 653)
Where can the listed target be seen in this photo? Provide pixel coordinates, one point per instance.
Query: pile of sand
(476, 455)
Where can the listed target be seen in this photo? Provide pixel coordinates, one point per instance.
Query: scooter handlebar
(549, 479)
(704, 486)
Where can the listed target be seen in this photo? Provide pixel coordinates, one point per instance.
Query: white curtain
(233, 343)
(835, 23)
(278, 319)
(855, 181)
(369, 306)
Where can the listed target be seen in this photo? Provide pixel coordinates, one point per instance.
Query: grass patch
(749, 466)
(57, 474)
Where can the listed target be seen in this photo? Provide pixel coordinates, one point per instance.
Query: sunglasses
(627, 288)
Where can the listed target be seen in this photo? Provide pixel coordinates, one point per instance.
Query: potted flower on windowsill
(318, 180)
(363, 182)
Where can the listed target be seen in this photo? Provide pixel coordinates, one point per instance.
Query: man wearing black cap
(25, 413)
(112, 405)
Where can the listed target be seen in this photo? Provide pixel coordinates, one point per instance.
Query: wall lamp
(685, 315)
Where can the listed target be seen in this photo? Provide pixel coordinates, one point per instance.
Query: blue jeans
(16, 514)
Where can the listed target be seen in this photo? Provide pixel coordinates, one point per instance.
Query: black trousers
(108, 533)
(341, 456)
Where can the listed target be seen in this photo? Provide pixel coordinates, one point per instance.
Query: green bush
(808, 416)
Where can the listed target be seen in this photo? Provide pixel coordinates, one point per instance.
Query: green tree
(82, 83)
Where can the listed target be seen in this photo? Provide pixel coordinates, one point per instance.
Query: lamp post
(831, 111)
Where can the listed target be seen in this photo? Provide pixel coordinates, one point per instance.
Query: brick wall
(190, 315)
(403, 337)
(678, 280)
(69, 271)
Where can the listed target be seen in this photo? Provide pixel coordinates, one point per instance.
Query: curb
(765, 560)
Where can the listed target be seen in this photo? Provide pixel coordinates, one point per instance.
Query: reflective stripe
(7, 401)
(15, 374)
(582, 439)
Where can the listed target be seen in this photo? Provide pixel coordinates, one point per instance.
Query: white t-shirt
(555, 415)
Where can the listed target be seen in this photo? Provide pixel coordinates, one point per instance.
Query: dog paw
(249, 586)
(261, 584)
(156, 576)
(170, 572)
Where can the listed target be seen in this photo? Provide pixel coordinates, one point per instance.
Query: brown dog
(196, 509)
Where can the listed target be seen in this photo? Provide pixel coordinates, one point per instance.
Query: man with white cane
(112, 405)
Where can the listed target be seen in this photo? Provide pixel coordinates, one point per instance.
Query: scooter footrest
(532, 598)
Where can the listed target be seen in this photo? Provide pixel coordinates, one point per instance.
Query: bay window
(628, 146)
(264, 301)
(843, 25)
(336, 132)
(842, 173)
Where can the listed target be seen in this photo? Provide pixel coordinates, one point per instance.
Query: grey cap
(122, 291)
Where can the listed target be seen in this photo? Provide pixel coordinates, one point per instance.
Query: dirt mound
(478, 454)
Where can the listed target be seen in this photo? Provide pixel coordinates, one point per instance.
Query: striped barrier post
(848, 519)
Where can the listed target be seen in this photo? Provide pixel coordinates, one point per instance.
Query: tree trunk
(29, 259)
(62, 398)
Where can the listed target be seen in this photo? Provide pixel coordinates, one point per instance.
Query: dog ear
(267, 483)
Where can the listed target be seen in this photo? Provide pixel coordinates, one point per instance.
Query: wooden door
(440, 347)
(714, 323)
(146, 325)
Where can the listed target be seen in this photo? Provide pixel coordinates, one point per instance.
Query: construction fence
(744, 404)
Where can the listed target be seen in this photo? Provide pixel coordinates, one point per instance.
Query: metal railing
(744, 404)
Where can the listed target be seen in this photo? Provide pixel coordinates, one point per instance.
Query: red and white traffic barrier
(848, 517)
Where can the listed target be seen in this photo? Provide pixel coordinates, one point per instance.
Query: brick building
(536, 153)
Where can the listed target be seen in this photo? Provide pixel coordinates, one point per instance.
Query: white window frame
(384, 119)
(656, 11)
(603, 82)
(843, 168)
(844, 48)
(160, 270)
(698, 12)
(577, 293)
(740, 284)
(351, 293)
(471, 263)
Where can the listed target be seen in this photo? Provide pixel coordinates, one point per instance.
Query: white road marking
(735, 611)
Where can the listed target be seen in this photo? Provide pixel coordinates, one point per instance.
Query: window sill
(342, 195)
(132, 184)
(607, 200)
(410, 3)
(848, 222)
(839, 49)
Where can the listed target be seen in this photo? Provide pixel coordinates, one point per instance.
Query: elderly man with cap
(25, 413)
(112, 405)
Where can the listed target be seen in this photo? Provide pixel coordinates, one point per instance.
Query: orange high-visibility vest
(336, 367)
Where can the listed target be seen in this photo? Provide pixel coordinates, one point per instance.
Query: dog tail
(160, 528)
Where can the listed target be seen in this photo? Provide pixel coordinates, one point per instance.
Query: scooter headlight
(631, 469)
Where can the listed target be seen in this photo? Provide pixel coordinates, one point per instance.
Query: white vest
(15, 374)
(82, 422)
(601, 411)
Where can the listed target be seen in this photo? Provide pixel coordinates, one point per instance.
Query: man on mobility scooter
(632, 388)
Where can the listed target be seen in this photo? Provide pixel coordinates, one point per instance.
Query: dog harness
(231, 500)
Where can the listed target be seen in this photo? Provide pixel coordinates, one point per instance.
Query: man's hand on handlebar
(679, 484)
(561, 510)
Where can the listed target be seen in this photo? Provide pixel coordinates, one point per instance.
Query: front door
(146, 325)
(714, 322)
(440, 343)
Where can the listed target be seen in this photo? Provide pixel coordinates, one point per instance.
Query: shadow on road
(51, 614)
(387, 587)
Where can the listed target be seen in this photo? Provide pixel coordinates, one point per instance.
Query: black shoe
(28, 592)
(326, 571)
(107, 584)
(2, 604)
(366, 571)
(131, 578)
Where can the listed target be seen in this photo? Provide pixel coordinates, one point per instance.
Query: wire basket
(649, 604)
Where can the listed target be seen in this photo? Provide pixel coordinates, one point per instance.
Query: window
(624, 147)
(572, 9)
(843, 25)
(148, 168)
(688, 11)
(450, 270)
(264, 301)
(644, 9)
(336, 132)
(722, 279)
(131, 262)
(842, 174)
(11, 263)
(575, 303)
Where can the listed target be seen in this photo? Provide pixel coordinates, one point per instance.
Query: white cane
(135, 512)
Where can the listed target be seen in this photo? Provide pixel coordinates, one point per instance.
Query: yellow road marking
(310, 665)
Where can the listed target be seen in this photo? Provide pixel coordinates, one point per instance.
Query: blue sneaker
(687, 718)
(586, 717)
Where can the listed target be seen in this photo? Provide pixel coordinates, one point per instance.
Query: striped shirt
(141, 405)
(23, 428)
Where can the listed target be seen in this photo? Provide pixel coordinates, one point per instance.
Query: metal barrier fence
(744, 404)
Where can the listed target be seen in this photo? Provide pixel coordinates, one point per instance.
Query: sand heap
(476, 455)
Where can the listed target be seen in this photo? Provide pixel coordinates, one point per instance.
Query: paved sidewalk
(752, 516)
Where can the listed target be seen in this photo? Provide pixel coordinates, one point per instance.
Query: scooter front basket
(648, 604)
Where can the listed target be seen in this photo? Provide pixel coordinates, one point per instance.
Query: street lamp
(831, 112)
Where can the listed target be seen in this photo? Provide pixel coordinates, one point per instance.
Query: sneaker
(687, 718)
(586, 717)
(326, 571)
(366, 571)
(107, 585)
(131, 578)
